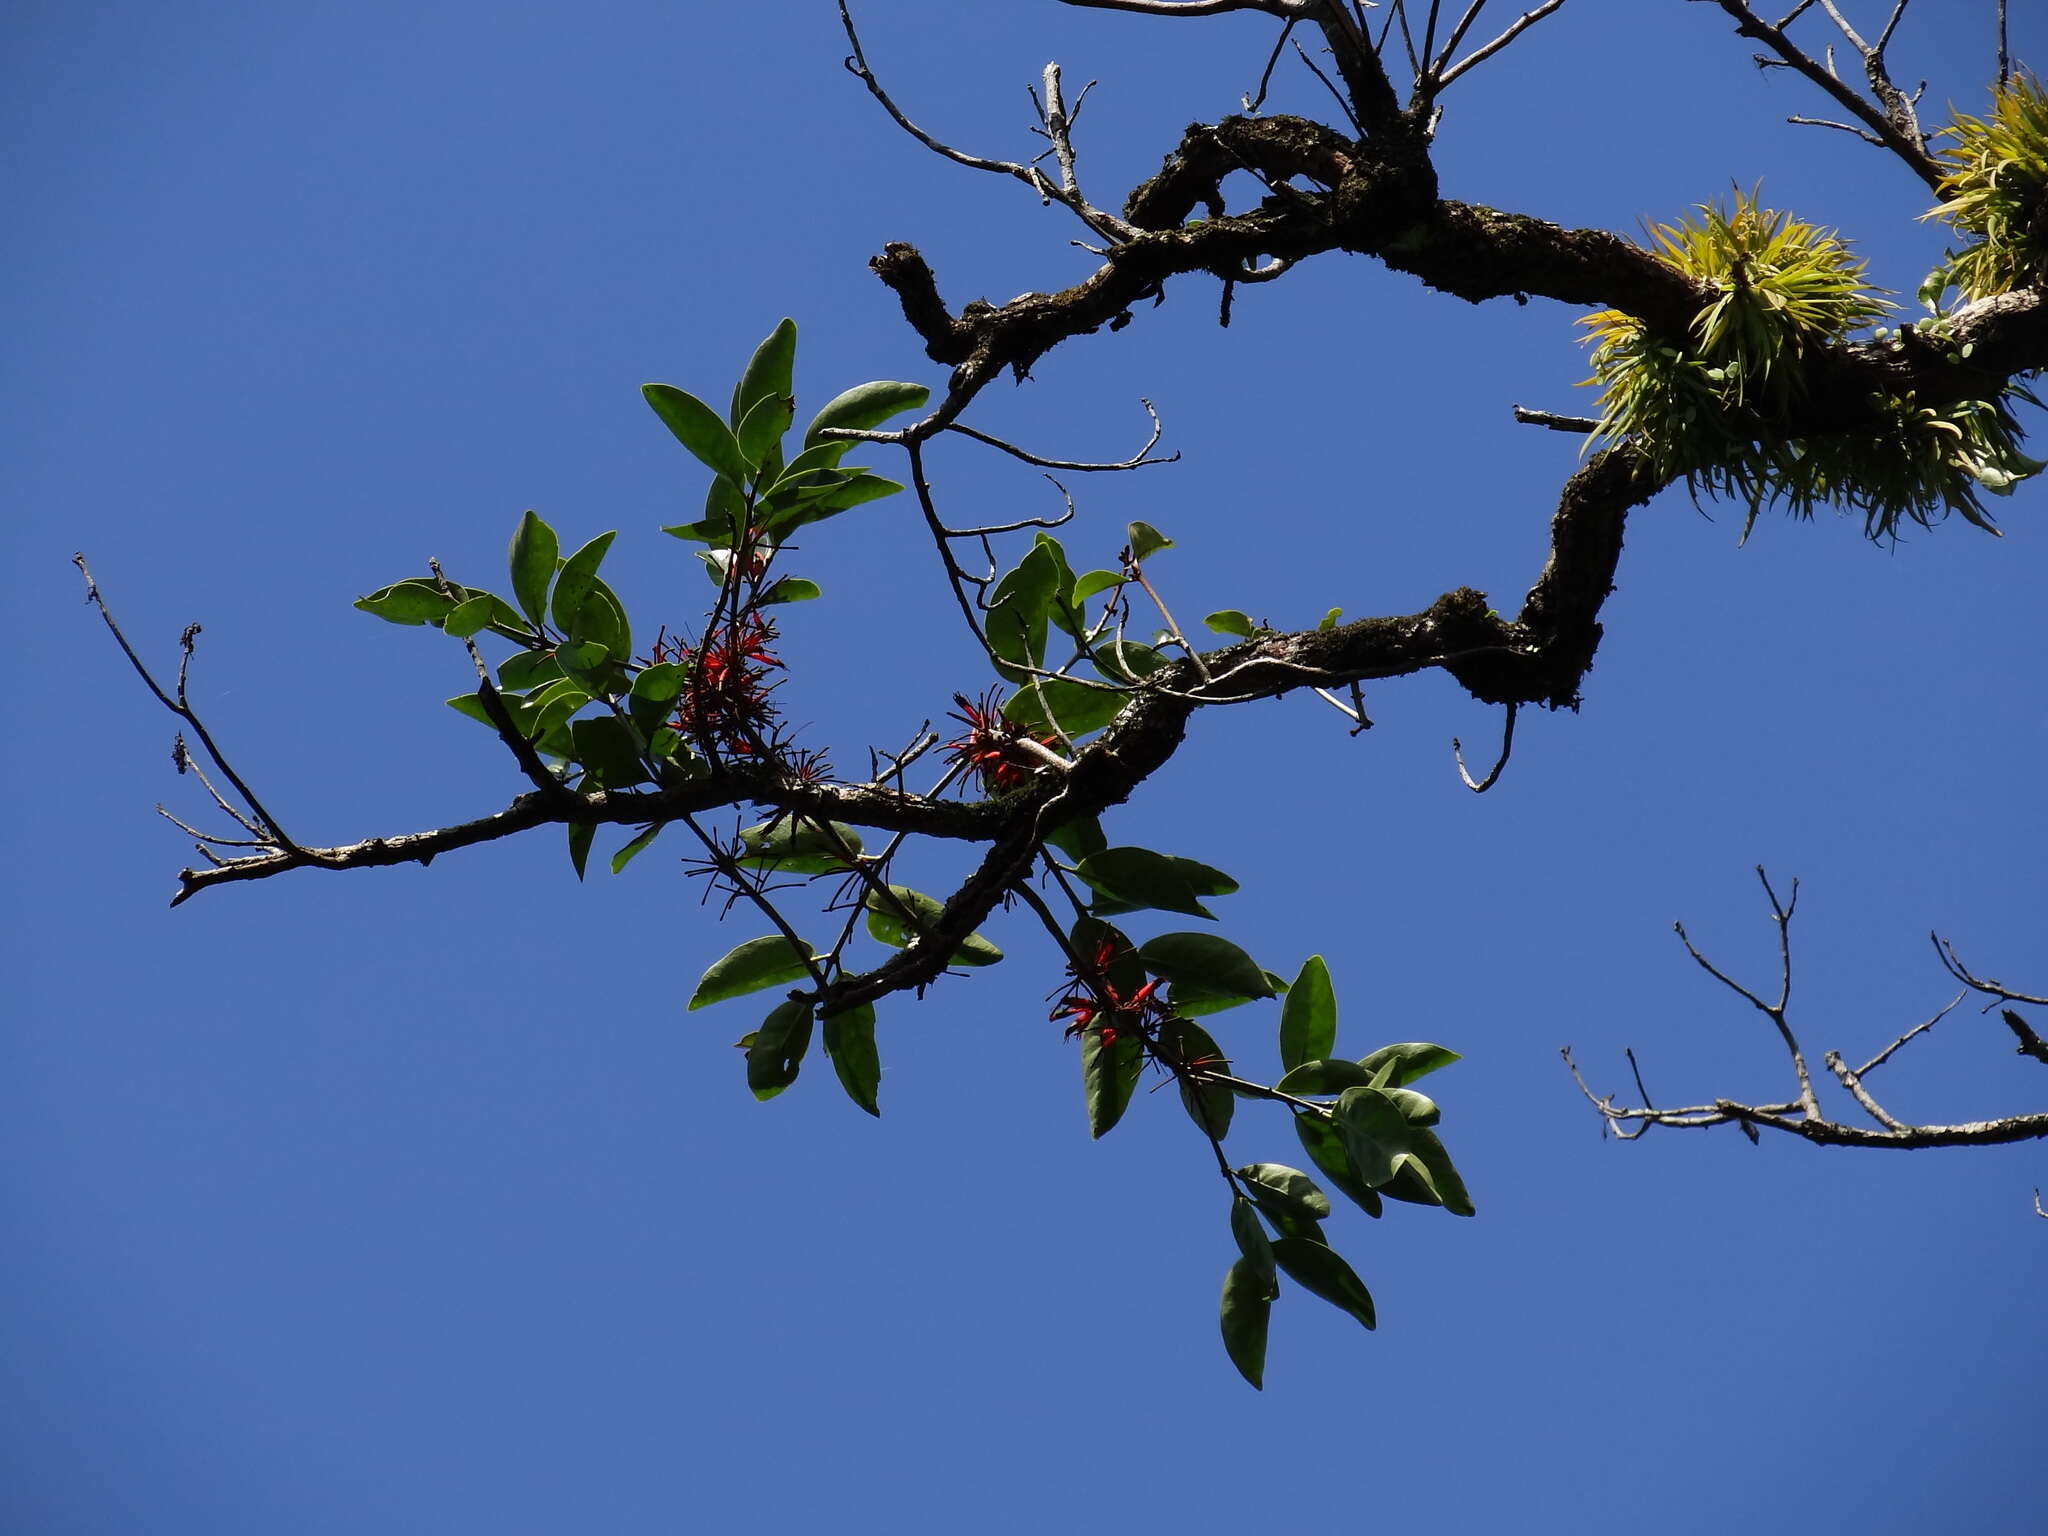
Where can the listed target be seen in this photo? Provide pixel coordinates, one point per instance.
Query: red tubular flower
(726, 694)
(1094, 1001)
(990, 746)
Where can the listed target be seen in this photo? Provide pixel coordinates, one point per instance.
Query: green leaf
(789, 589)
(552, 706)
(777, 1049)
(635, 848)
(533, 556)
(1314, 1267)
(1314, 1077)
(1414, 1058)
(1109, 1075)
(1330, 619)
(583, 663)
(1078, 838)
(1231, 621)
(1443, 1178)
(762, 430)
(469, 616)
(608, 748)
(579, 575)
(813, 469)
(697, 427)
(1308, 1019)
(770, 373)
(1324, 1144)
(1416, 1108)
(580, 835)
(1193, 1001)
(1252, 1241)
(865, 407)
(1247, 1308)
(1078, 708)
(1376, 1134)
(890, 928)
(1016, 621)
(408, 602)
(1285, 1192)
(850, 1042)
(851, 492)
(1138, 877)
(1206, 961)
(725, 507)
(473, 706)
(602, 617)
(660, 684)
(1410, 1183)
(1087, 586)
(1209, 1105)
(527, 669)
(788, 845)
(758, 963)
(1146, 541)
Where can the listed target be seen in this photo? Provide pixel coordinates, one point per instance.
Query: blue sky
(414, 1201)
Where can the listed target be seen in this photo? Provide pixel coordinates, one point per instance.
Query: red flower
(992, 747)
(1093, 1001)
(725, 696)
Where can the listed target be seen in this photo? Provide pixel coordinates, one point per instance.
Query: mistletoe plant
(1737, 354)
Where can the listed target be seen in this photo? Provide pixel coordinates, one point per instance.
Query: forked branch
(1802, 1115)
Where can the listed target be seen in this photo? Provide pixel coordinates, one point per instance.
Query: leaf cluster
(1705, 407)
(1996, 195)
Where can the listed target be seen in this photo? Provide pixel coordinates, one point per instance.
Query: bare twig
(1556, 423)
(179, 704)
(1486, 51)
(1801, 1117)
(1067, 194)
(1507, 746)
(1891, 119)
(1137, 460)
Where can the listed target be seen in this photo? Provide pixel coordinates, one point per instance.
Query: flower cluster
(994, 747)
(725, 698)
(1093, 1001)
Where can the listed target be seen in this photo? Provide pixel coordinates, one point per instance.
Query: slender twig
(1996, 990)
(1507, 746)
(1253, 102)
(1801, 1117)
(1137, 460)
(1893, 121)
(1066, 195)
(1486, 51)
(180, 705)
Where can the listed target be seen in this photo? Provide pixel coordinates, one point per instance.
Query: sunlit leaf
(533, 557)
(698, 428)
(1308, 1019)
(408, 602)
(1414, 1058)
(749, 967)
